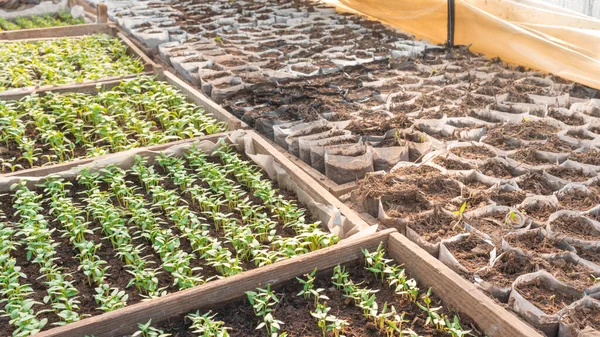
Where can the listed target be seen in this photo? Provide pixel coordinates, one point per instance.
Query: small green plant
(206, 326)
(263, 301)
(460, 215)
(320, 314)
(309, 290)
(146, 330)
(455, 329)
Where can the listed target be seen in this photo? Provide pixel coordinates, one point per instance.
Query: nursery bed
(186, 232)
(62, 18)
(117, 49)
(223, 296)
(91, 121)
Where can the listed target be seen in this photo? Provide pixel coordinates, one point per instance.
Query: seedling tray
(340, 221)
(456, 294)
(191, 95)
(75, 32)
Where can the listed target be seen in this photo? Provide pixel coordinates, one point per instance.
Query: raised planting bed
(422, 291)
(373, 296)
(99, 237)
(101, 52)
(61, 18)
(524, 235)
(85, 121)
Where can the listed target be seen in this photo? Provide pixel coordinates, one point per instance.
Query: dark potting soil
(584, 317)
(497, 139)
(533, 241)
(451, 164)
(578, 200)
(575, 227)
(573, 274)
(435, 226)
(534, 182)
(528, 130)
(404, 201)
(591, 157)
(567, 173)
(566, 118)
(507, 268)
(496, 169)
(579, 134)
(294, 311)
(546, 299)
(507, 198)
(539, 211)
(528, 156)
(591, 254)
(496, 229)
(473, 152)
(473, 252)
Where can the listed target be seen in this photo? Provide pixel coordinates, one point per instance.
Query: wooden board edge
(304, 180)
(54, 32)
(17, 94)
(233, 123)
(455, 291)
(123, 321)
(47, 170)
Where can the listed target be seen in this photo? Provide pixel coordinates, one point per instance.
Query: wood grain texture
(456, 292)
(318, 192)
(47, 170)
(55, 32)
(102, 13)
(123, 321)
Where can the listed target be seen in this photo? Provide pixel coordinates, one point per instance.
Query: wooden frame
(455, 292)
(73, 32)
(100, 16)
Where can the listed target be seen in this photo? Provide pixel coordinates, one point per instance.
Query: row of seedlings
(58, 19)
(114, 237)
(371, 297)
(54, 128)
(29, 63)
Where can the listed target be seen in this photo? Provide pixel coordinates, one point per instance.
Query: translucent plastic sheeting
(524, 32)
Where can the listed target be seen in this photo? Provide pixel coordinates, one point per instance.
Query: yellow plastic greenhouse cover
(525, 32)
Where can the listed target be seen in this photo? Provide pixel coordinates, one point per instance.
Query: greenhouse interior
(273, 168)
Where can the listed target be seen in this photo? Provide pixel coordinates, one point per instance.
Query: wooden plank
(46, 170)
(102, 13)
(456, 292)
(88, 87)
(306, 183)
(123, 321)
(233, 123)
(55, 32)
